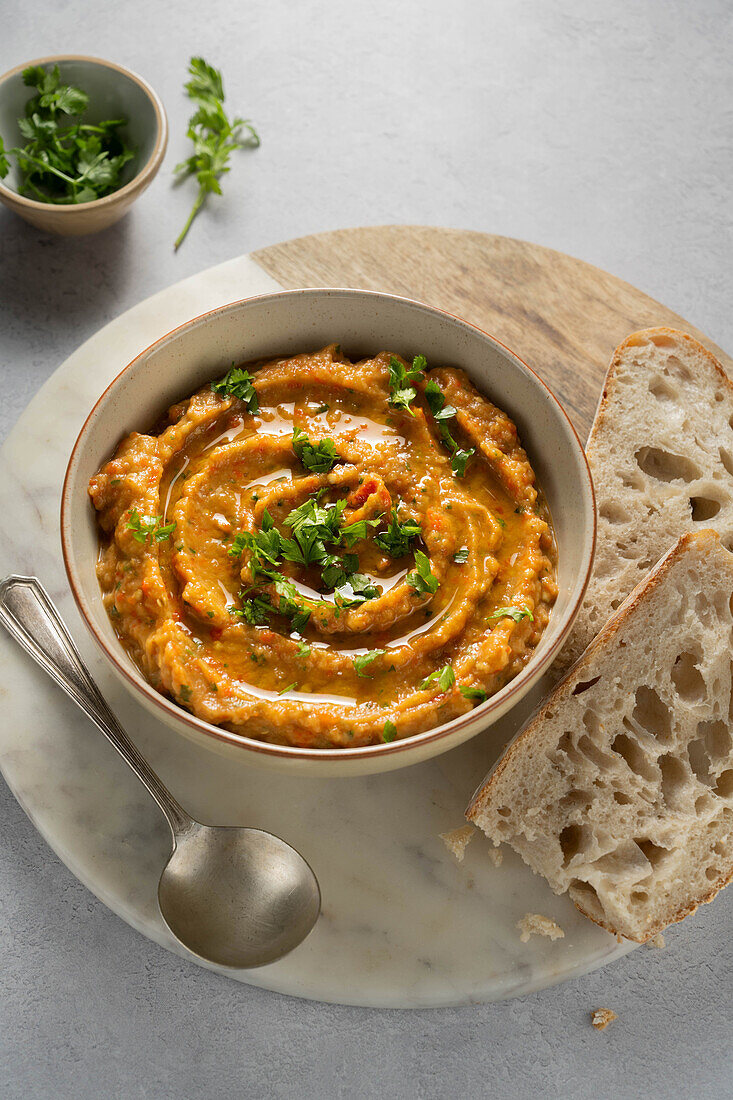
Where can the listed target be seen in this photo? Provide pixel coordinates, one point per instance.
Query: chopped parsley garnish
(390, 731)
(264, 545)
(148, 528)
(311, 514)
(444, 677)
(239, 543)
(185, 692)
(290, 687)
(357, 589)
(238, 383)
(354, 532)
(319, 458)
(423, 579)
(441, 413)
(461, 556)
(401, 390)
(336, 571)
(398, 536)
(475, 694)
(516, 613)
(362, 662)
(255, 610)
(303, 649)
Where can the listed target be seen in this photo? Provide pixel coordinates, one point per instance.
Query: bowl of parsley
(80, 140)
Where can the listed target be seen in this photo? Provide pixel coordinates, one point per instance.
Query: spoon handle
(30, 617)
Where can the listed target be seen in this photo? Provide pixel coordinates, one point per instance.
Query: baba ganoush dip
(324, 553)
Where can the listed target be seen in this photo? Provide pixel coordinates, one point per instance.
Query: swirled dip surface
(385, 631)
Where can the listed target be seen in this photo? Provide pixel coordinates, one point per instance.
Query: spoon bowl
(237, 897)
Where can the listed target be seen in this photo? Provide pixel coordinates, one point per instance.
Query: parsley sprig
(476, 695)
(148, 528)
(319, 458)
(443, 677)
(402, 392)
(422, 579)
(441, 414)
(517, 613)
(238, 382)
(398, 536)
(65, 160)
(214, 135)
(363, 660)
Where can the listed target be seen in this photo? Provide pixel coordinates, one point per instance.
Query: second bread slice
(620, 789)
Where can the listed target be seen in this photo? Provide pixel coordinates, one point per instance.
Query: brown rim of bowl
(365, 752)
(152, 163)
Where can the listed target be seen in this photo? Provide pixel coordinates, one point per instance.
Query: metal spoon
(233, 896)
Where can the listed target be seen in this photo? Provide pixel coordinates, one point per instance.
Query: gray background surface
(603, 130)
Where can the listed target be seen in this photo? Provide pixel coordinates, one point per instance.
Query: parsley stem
(43, 165)
(194, 211)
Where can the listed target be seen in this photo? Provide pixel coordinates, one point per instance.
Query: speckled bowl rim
(531, 670)
(148, 170)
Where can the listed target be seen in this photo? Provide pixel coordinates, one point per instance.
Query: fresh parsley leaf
(461, 556)
(336, 571)
(319, 458)
(239, 542)
(459, 461)
(327, 521)
(303, 649)
(357, 589)
(442, 413)
(65, 160)
(255, 610)
(363, 660)
(475, 694)
(422, 579)
(401, 389)
(398, 536)
(444, 677)
(354, 532)
(516, 613)
(238, 383)
(214, 136)
(390, 731)
(148, 528)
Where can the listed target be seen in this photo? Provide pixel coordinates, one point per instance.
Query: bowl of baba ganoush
(333, 531)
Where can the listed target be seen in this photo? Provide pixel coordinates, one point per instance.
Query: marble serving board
(403, 923)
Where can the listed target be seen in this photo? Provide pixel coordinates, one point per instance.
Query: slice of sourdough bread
(620, 788)
(661, 454)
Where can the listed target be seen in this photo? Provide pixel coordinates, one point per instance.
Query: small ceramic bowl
(113, 92)
(363, 322)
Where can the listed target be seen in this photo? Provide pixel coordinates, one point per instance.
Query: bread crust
(645, 336)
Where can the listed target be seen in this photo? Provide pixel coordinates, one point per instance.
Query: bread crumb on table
(496, 856)
(602, 1017)
(658, 940)
(534, 924)
(457, 840)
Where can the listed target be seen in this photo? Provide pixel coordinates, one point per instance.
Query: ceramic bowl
(113, 92)
(364, 323)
